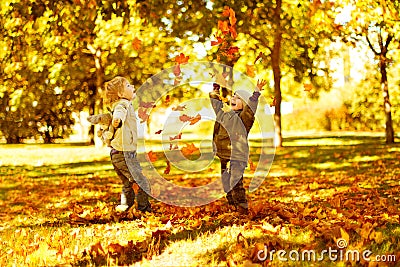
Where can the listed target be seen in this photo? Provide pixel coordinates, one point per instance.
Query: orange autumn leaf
(250, 71)
(220, 40)
(223, 26)
(252, 166)
(184, 118)
(189, 149)
(177, 70)
(136, 43)
(179, 108)
(307, 87)
(226, 12)
(151, 156)
(147, 104)
(232, 17)
(233, 32)
(143, 115)
(181, 59)
(232, 50)
(195, 119)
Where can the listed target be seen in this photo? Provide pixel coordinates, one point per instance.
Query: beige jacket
(125, 137)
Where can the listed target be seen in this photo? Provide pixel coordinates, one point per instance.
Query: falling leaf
(189, 149)
(142, 114)
(179, 108)
(233, 50)
(177, 70)
(167, 99)
(151, 156)
(158, 132)
(136, 43)
(226, 12)
(223, 26)
(195, 119)
(250, 71)
(232, 17)
(168, 168)
(184, 118)
(147, 104)
(219, 41)
(181, 59)
(173, 147)
(252, 166)
(307, 87)
(179, 136)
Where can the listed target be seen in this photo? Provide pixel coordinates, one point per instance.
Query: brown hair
(113, 87)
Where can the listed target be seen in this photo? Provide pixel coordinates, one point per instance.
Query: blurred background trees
(337, 63)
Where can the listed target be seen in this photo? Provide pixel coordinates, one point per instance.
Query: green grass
(57, 208)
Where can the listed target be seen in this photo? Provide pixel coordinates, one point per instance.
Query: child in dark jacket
(231, 130)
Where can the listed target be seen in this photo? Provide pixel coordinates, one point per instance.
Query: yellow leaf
(344, 235)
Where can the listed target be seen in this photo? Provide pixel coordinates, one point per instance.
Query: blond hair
(113, 88)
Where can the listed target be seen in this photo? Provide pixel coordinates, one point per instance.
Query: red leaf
(232, 50)
(167, 99)
(219, 41)
(168, 169)
(179, 136)
(172, 147)
(158, 132)
(181, 59)
(151, 156)
(137, 44)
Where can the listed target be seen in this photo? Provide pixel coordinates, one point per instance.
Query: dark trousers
(129, 171)
(232, 181)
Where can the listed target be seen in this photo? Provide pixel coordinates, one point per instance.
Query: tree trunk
(275, 61)
(386, 101)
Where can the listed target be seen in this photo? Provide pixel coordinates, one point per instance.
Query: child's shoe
(243, 208)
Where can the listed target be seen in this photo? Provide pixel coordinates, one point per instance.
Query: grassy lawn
(57, 208)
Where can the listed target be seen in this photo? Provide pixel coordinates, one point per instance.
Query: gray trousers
(232, 181)
(129, 171)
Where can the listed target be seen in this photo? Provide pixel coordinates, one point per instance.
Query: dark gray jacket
(231, 128)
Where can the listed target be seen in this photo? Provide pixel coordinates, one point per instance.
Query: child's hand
(116, 122)
(260, 85)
